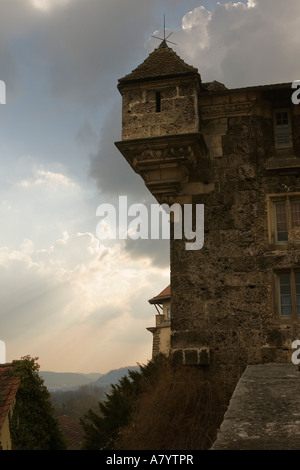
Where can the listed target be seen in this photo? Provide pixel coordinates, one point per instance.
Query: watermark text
(296, 354)
(2, 92)
(187, 222)
(2, 352)
(296, 93)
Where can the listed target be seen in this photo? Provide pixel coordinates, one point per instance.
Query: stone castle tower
(161, 136)
(237, 300)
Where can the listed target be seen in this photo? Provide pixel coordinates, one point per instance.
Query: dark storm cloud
(157, 250)
(109, 169)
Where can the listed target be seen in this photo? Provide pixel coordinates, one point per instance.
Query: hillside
(66, 381)
(113, 376)
(75, 400)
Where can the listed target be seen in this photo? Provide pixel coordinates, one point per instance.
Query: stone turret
(161, 128)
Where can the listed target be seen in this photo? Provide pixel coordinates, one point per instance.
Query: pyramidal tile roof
(163, 62)
(73, 432)
(163, 295)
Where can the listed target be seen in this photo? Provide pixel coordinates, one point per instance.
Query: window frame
(294, 317)
(287, 198)
(168, 313)
(290, 144)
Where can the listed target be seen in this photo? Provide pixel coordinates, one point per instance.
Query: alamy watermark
(2, 101)
(296, 93)
(187, 221)
(2, 352)
(296, 354)
(2, 92)
(296, 101)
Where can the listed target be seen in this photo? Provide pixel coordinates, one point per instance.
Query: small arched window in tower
(158, 101)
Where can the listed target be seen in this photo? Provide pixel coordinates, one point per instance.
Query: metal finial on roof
(165, 39)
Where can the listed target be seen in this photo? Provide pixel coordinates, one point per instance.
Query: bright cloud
(67, 294)
(41, 206)
(195, 23)
(48, 178)
(48, 5)
(242, 44)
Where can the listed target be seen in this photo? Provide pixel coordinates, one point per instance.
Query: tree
(164, 406)
(102, 430)
(33, 426)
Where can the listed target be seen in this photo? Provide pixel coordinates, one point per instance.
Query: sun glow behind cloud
(48, 5)
(68, 292)
(68, 286)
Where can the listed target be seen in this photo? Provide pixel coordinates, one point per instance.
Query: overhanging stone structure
(165, 163)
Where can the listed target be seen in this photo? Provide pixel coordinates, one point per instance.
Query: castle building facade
(235, 301)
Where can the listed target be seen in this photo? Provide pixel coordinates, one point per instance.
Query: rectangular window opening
(282, 129)
(285, 294)
(288, 294)
(295, 209)
(281, 222)
(284, 219)
(158, 101)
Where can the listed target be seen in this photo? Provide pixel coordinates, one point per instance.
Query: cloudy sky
(77, 302)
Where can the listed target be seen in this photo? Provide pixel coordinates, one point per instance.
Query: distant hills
(113, 376)
(66, 381)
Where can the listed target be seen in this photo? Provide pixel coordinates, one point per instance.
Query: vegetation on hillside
(159, 407)
(102, 428)
(76, 403)
(33, 425)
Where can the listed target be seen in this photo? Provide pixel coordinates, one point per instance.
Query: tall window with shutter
(284, 218)
(283, 129)
(287, 294)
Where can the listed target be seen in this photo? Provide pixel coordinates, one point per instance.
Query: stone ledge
(264, 411)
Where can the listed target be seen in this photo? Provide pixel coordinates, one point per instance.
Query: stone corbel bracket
(165, 163)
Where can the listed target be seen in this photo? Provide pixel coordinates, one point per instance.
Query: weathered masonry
(237, 151)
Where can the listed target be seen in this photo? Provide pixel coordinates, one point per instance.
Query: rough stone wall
(178, 115)
(161, 340)
(161, 333)
(156, 342)
(223, 295)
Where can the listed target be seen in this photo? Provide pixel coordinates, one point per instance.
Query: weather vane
(165, 38)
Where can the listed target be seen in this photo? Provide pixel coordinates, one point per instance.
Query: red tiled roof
(164, 295)
(8, 388)
(73, 432)
(163, 62)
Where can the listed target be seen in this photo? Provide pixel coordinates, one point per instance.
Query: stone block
(191, 356)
